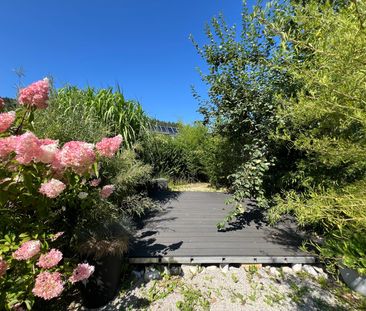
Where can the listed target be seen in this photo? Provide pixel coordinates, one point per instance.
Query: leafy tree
(244, 79)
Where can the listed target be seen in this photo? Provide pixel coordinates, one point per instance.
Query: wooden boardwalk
(184, 231)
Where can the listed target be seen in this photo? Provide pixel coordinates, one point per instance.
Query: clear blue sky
(141, 44)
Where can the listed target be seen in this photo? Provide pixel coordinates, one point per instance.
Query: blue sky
(141, 44)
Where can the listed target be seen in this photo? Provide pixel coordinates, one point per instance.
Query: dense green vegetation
(94, 109)
(177, 157)
(89, 115)
(287, 94)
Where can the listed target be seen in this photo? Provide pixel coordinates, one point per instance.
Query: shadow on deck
(184, 231)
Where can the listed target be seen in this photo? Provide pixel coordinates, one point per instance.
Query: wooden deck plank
(186, 228)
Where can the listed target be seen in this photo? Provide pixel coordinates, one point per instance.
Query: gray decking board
(185, 231)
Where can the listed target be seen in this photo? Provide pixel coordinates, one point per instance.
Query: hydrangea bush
(45, 188)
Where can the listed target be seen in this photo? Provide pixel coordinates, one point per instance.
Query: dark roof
(168, 130)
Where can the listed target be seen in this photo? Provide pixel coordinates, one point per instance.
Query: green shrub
(193, 140)
(220, 160)
(166, 158)
(338, 213)
(177, 157)
(130, 177)
(326, 122)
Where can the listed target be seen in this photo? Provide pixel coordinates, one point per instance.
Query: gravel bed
(228, 288)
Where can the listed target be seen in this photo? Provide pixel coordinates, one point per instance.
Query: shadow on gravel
(310, 295)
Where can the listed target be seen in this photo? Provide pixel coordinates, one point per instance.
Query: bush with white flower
(45, 190)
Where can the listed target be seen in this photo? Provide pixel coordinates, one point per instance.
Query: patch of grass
(193, 299)
(274, 297)
(323, 282)
(303, 275)
(252, 271)
(235, 296)
(298, 292)
(162, 289)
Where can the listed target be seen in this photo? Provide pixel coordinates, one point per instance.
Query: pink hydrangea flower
(6, 120)
(56, 163)
(48, 150)
(108, 147)
(48, 285)
(7, 146)
(35, 95)
(27, 250)
(49, 260)
(77, 155)
(52, 188)
(3, 267)
(106, 191)
(95, 182)
(27, 148)
(82, 272)
(2, 103)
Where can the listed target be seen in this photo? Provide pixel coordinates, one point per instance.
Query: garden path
(184, 231)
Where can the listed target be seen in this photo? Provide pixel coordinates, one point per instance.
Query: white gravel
(228, 288)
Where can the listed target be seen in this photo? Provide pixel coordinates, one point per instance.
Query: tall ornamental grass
(107, 107)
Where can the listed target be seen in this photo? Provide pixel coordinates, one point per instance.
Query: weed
(253, 269)
(323, 282)
(275, 297)
(162, 289)
(238, 296)
(303, 275)
(192, 300)
(217, 292)
(253, 296)
(208, 278)
(298, 292)
(235, 278)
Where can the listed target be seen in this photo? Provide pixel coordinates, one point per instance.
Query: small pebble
(318, 269)
(175, 270)
(297, 267)
(224, 268)
(310, 270)
(211, 268)
(152, 274)
(287, 270)
(273, 271)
